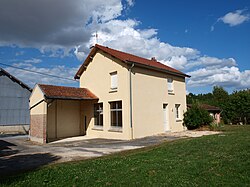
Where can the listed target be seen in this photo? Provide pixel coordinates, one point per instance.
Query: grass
(218, 160)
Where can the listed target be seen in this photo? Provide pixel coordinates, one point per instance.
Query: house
(212, 110)
(14, 104)
(121, 96)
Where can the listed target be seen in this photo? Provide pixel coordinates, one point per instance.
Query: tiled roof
(129, 58)
(14, 79)
(63, 92)
(206, 107)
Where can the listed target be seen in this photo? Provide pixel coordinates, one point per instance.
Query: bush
(196, 117)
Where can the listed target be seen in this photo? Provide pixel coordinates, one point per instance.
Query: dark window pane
(116, 113)
(112, 105)
(119, 104)
(98, 114)
(119, 120)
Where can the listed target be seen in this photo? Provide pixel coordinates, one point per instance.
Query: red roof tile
(126, 57)
(206, 107)
(63, 92)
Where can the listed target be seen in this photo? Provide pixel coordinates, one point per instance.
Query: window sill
(112, 90)
(178, 120)
(115, 129)
(171, 93)
(98, 128)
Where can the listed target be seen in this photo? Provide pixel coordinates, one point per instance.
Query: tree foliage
(196, 117)
(235, 107)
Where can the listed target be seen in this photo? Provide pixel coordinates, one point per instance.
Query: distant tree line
(235, 106)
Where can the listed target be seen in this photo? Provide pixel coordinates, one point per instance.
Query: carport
(58, 112)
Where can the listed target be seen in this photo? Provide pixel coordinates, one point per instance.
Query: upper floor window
(170, 85)
(98, 114)
(177, 111)
(114, 81)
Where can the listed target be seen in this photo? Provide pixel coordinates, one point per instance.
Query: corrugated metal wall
(14, 103)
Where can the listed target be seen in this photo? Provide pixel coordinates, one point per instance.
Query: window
(98, 114)
(177, 111)
(170, 85)
(116, 113)
(114, 82)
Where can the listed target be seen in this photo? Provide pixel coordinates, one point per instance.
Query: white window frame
(113, 81)
(116, 110)
(170, 83)
(177, 111)
(98, 113)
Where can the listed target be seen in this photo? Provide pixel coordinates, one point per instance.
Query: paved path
(17, 153)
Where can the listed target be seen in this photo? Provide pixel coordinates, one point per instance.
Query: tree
(220, 95)
(196, 117)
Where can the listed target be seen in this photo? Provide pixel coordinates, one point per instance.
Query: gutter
(130, 100)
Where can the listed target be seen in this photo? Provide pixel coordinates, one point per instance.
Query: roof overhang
(157, 69)
(94, 51)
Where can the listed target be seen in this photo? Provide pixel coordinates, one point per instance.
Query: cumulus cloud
(46, 24)
(70, 27)
(233, 18)
(32, 78)
(205, 70)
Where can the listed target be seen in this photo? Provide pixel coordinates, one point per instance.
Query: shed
(59, 112)
(14, 104)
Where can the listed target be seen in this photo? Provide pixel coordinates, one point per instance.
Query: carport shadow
(19, 163)
(5, 149)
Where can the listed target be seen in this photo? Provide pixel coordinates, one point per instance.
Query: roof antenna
(96, 37)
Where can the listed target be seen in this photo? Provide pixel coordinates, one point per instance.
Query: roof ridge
(14, 79)
(123, 52)
(128, 58)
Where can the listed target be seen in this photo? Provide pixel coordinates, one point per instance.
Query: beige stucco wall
(150, 92)
(35, 97)
(38, 116)
(97, 79)
(63, 119)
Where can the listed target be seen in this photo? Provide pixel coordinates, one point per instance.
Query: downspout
(130, 99)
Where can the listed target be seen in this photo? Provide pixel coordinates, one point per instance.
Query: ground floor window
(98, 114)
(177, 111)
(116, 113)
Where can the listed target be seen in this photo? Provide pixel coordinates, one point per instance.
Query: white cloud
(32, 78)
(50, 25)
(130, 2)
(226, 76)
(70, 28)
(235, 18)
(33, 61)
(205, 70)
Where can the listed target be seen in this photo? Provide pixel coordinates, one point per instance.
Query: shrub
(196, 117)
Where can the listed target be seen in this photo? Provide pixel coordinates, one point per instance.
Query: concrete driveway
(17, 153)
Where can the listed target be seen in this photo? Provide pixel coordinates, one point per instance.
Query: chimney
(153, 59)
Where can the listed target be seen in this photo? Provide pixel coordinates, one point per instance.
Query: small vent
(153, 59)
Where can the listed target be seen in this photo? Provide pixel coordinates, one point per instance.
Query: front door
(165, 117)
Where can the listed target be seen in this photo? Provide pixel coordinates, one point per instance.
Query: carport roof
(69, 93)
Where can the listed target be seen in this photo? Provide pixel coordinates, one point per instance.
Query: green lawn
(218, 160)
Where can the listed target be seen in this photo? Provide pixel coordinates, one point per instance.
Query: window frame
(113, 82)
(98, 114)
(117, 110)
(177, 111)
(170, 84)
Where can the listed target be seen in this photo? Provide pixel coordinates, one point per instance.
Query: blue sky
(209, 40)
